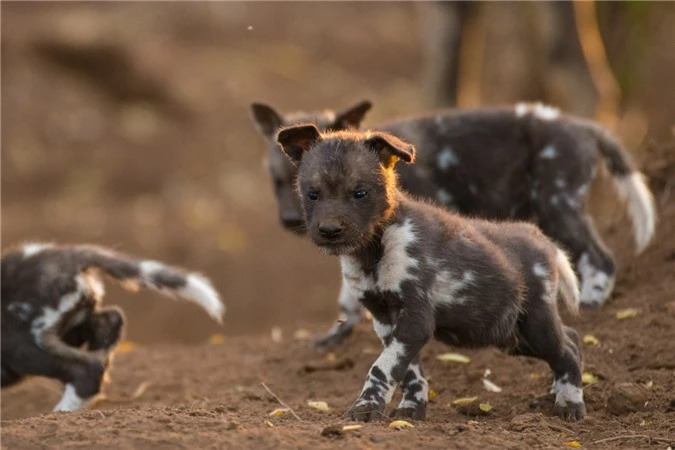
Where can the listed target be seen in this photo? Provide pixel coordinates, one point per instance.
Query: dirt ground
(149, 149)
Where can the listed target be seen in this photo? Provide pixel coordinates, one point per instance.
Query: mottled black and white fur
(53, 324)
(528, 162)
(425, 272)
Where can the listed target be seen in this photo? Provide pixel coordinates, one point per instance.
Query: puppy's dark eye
(313, 195)
(360, 194)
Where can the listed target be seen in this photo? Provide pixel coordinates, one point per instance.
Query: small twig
(102, 415)
(269, 391)
(633, 436)
(559, 428)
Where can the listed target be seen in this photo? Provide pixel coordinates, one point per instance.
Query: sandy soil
(172, 170)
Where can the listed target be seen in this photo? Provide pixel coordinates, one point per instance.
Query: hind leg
(559, 193)
(351, 313)
(415, 390)
(542, 335)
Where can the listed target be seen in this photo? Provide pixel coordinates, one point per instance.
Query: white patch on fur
(566, 392)
(539, 110)
(583, 190)
(35, 247)
(560, 183)
(545, 112)
(388, 359)
(349, 303)
(555, 200)
(354, 276)
(421, 396)
(395, 265)
(50, 317)
(198, 289)
(382, 330)
(641, 207)
(571, 202)
(521, 109)
(71, 401)
(596, 285)
(21, 310)
(447, 158)
(540, 270)
(549, 152)
(445, 288)
(444, 197)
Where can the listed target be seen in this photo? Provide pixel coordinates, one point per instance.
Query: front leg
(411, 331)
(351, 313)
(415, 394)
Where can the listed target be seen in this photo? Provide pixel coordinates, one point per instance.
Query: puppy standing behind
(528, 162)
(425, 272)
(51, 308)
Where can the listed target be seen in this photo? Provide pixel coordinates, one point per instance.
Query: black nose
(330, 230)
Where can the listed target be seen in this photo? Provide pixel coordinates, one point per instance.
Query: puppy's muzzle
(330, 230)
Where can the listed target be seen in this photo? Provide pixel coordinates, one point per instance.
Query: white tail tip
(568, 282)
(199, 290)
(641, 207)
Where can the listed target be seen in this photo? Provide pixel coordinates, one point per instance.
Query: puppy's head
(346, 183)
(281, 170)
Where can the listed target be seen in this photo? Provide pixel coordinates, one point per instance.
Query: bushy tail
(154, 275)
(631, 185)
(568, 284)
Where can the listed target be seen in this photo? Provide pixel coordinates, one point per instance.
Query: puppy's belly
(474, 325)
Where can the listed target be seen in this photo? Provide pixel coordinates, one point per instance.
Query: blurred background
(127, 124)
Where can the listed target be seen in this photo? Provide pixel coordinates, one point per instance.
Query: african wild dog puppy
(525, 163)
(53, 324)
(425, 272)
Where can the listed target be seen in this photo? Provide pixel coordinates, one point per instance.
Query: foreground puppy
(527, 163)
(51, 298)
(424, 272)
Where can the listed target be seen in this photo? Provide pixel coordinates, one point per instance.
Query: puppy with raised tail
(425, 272)
(53, 324)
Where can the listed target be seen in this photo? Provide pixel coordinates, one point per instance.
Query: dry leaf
(352, 427)
(216, 339)
(302, 335)
(574, 444)
(464, 401)
(588, 378)
(126, 347)
(140, 390)
(453, 357)
(589, 339)
(331, 357)
(490, 386)
(268, 423)
(278, 412)
(649, 384)
(485, 407)
(277, 335)
(432, 394)
(401, 424)
(626, 313)
(319, 406)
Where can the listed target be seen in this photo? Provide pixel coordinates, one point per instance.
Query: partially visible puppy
(425, 272)
(53, 324)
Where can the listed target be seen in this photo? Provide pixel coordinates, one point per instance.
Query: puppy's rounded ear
(296, 140)
(390, 148)
(351, 117)
(266, 119)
